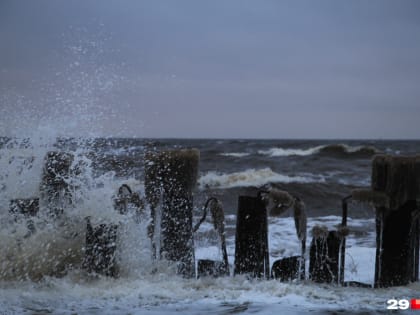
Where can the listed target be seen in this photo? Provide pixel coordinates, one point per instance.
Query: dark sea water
(320, 172)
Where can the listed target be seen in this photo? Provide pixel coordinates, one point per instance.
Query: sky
(211, 69)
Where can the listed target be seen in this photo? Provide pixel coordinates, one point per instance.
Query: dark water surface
(320, 172)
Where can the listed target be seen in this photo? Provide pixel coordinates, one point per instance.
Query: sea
(40, 272)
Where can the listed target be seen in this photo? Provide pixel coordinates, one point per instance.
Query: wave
(275, 152)
(235, 154)
(330, 149)
(252, 177)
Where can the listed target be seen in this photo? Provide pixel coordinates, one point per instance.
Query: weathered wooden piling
(324, 256)
(55, 189)
(397, 220)
(27, 208)
(395, 194)
(213, 268)
(100, 249)
(289, 268)
(344, 215)
(251, 246)
(170, 177)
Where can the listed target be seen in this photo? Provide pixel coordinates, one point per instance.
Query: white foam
(253, 177)
(282, 152)
(139, 291)
(277, 152)
(164, 294)
(235, 154)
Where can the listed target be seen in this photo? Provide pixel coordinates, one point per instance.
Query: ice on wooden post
(207, 267)
(395, 194)
(289, 268)
(170, 177)
(324, 255)
(55, 189)
(251, 247)
(100, 249)
(25, 208)
(127, 201)
(279, 201)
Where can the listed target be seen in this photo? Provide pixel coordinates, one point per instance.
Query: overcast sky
(214, 69)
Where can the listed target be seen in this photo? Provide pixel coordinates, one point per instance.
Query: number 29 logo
(403, 304)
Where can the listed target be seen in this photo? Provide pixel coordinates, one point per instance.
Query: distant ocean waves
(253, 177)
(322, 194)
(334, 150)
(263, 176)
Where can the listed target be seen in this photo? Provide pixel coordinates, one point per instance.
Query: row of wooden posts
(170, 178)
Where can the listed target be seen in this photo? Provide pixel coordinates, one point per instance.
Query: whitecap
(253, 177)
(277, 152)
(235, 154)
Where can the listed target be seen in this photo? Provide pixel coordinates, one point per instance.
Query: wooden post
(324, 257)
(27, 208)
(417, 250)
(55, 190)
(289, 268)
(100, 249)
(397, 223)
(170, 177)
(251, 246)
(344, 205)
(153, 190)
(214, 268)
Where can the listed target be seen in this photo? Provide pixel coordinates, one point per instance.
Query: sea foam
(331, 149)
(253, 177)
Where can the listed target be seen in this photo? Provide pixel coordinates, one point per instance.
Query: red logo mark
(415, 304)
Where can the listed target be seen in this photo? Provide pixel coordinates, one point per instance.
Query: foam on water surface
(165, 293)
(253, 177)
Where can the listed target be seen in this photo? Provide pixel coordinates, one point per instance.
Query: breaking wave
(235, 154)
(253, 177)
(331, 149)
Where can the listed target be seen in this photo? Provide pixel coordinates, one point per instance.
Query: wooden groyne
(170, 179)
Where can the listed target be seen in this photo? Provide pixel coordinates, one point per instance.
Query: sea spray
(57, 245)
